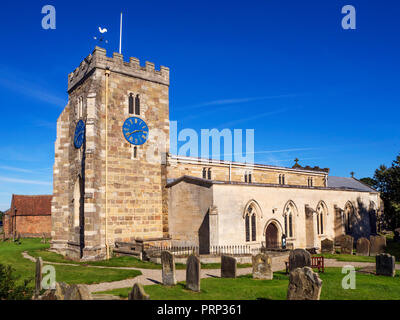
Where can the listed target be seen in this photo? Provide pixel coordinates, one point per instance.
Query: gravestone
(262, 267)
(138, 293)
(299, 258)
(38, 276)
(168, 268)
(228, 267)
(363, 247)
(77, 292)
(346, 245)
(385, 265)
(304, 284)
(378, 245)
(193, 270)
(327, 246)
(43, 238)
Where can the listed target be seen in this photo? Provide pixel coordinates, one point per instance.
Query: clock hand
(129, 134)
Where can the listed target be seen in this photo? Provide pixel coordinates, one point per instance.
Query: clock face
(135, 131)
(79, 134)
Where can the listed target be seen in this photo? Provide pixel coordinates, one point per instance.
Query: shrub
(10, 289)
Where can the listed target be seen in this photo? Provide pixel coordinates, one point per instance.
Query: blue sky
(284, 68)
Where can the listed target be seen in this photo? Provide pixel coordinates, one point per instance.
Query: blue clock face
(79, 134)
(135, 131)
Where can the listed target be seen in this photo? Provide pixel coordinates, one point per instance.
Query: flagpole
(120, 35)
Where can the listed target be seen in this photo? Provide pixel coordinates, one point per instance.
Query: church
(106, 189)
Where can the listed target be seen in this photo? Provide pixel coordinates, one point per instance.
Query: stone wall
(28, 226)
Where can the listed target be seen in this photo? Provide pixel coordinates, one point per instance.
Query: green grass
(368, 287)
(11, 254)
(118, 261)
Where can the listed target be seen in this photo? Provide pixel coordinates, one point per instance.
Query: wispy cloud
(231, 101)
(15, 169)
(24, 181)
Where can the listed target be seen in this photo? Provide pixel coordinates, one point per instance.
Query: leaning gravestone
(304, 284)
(38, 276)
(327, 246)
(262, 267)
(228, 267)
(168, 268)
(138, 293)
(299, 258)
(385, 265)
(346, 245)
(378, 245)
(193, 269)
(363, 247)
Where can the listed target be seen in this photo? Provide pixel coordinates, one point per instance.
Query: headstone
(77, 292)
(385, 265)
(193, 270)
(304, 284)
(363, 247)
(138, 293)
(327, 246)
(299, 258)
(228, 267)
(168, 268)
(54, 294)
(346, 245)
(262, 267)
(38, 276)
(43, 238)
(378, 245)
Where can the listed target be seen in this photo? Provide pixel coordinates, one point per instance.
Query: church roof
(348, 183)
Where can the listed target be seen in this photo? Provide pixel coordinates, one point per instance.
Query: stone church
(106, 190)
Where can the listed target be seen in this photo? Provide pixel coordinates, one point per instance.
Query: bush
(9, 289)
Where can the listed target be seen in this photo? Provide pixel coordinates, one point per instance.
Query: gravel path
(154, 276)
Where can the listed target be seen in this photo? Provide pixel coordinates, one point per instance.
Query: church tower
(109, 170)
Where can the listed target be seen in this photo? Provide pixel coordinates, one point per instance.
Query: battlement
(99, 60)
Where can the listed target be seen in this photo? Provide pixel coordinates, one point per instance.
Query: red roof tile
(31, 205)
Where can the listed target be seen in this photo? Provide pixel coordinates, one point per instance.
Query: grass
(118, 261)
(368, 287)
(11, 254)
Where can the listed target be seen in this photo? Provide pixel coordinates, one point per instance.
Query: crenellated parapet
(99, 60)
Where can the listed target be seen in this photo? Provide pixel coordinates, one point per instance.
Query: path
(154, 276)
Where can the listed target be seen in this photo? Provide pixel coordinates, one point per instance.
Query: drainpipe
(106, 187)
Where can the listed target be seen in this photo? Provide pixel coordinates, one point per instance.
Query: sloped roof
(31, 205)
(348, 183)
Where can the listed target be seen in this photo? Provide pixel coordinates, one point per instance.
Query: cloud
(36, 182)
(16, 169)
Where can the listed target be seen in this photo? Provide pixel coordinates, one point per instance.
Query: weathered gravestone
(327, 246)
(43, 238)
(228, 267)
(304, 284)
(77, 292)
(38, 276)
(193, 269)
(363, 247)
(55, 294)
(299, 258)
(262, 267)
(138, 293)
(378, 245)
(385, 265)
(168, 268)
(346, 244)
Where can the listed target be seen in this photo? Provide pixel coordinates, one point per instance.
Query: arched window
(209, 174)
(250, 177)
(288, 217)
(322, 212)
(137, 105)
(280, 179)
(135, 152)
(245, 177)
(131, 103)
(283, 179)
(251, 224)
(204, 173)
(348, 216)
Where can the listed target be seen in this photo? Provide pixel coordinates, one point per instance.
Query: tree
(10, 289)
(369, 182)
(388, 184)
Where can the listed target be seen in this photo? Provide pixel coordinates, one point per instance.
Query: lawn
(11, 254)
(118, 261)
(368, 287)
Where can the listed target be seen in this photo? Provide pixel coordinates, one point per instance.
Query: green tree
(9, 289)
(369, 182)
(388, 183)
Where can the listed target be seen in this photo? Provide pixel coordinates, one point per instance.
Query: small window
(135, 152)
(247, 226)
(137, 105)
(249, 177)
(209, 174)
(131, 101)
(204, 173)
(245, 177)
(253, 228)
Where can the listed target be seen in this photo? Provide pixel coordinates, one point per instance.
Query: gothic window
(247, 226)
(245, 177)
(209, 174)
(204, 173)
(310, 182)
(251, 224)
(283, 179)
(321, 214)
(131, 103)
(137, 105)
(348, 216)
(289, 213)
(253, 227)
(249, 177)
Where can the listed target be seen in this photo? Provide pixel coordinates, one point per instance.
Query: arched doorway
(271, 236)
